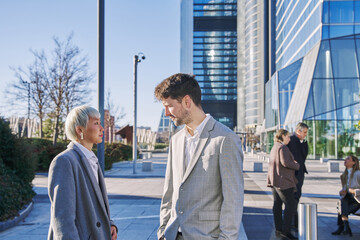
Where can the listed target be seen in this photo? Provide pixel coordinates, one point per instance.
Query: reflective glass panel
(288, 76)
(323, 93)
(324, 138)
(341, 12)
(325, 12)
(357, 43)
(344, 58)
(346, 92)
(323, 67)
(357, 11)
(349, 113)
(348, 138)
(309, 110)
(340, 30)
(325, 32)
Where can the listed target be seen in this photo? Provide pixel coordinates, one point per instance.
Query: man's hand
(342, 193)
(113, 233)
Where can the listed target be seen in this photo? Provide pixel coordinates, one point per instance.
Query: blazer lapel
(87, 169)
(103, 190)
(204, 138)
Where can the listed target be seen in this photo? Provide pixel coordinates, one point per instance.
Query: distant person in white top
(349, 194)
(204, 187)
(77, 192)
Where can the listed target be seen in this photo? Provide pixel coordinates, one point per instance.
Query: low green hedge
(15, 193)
(115, 152)
(18, 162)
(161, 145)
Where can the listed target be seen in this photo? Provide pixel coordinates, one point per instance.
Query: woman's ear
(79, 130)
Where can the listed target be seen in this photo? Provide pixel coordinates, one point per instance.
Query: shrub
(161, 145)
(15, 193)
(18, 161)
(46, 151)
(115, 152)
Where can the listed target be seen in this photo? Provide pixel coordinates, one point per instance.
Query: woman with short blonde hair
(77, 192)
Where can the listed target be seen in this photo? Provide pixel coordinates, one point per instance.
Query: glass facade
(340, 18)
(215, 57)
(298, 29)
(332, 104)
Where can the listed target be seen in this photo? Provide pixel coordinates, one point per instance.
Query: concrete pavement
(320, 187)
(135, 199)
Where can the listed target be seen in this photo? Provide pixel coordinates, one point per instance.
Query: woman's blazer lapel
(87, 169)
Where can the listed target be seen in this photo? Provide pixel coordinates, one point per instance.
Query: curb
(12, 222)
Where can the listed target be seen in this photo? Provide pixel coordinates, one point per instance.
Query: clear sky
(131, 26)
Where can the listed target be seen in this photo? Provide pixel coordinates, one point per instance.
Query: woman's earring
(82, 136)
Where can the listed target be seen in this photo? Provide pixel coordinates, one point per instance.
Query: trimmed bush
(18, 162)
(14, 193)
(115, 152)
(46, 151)
(161, 145)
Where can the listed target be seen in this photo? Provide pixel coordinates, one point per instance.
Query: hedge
(18, 162)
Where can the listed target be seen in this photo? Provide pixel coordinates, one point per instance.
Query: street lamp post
(137, 59)
(28, 88)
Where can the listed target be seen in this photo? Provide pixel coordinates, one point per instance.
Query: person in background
(281, 179)
(299, 148)
(76, 187)
(204, 186)
(350, 194)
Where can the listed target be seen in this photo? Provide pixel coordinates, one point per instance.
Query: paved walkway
(135, 199)
(320, 187)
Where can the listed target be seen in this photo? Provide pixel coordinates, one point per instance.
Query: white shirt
(192, 141)
(92, 159)
(349, 170)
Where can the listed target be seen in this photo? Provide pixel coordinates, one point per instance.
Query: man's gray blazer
(206, 199)
(79, 205)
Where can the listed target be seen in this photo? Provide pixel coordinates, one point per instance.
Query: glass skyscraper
(254, 63)
(316, 80)
(209, 51)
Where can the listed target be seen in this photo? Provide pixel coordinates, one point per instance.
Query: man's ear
(187, 101)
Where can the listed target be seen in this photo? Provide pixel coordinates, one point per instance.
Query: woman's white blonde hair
(79, 116)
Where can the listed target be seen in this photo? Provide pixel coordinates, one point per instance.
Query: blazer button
(98, 224)
(181, 212)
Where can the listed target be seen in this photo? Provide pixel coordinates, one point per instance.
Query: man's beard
(185, 119)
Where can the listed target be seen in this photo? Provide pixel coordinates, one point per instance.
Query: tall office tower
(254, 62)
(209, 51)
(314, 63)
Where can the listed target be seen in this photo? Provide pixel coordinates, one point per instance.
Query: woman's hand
(113, 233)
(352, 191)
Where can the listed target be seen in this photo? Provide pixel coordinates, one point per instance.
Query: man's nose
(167, 112)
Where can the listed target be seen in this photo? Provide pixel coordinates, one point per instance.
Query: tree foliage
(57, 83)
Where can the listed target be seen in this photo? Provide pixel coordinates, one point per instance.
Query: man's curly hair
(178, 86)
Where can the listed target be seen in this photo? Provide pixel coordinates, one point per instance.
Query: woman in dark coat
(281, 179)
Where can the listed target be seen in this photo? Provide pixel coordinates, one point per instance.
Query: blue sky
(131, 26)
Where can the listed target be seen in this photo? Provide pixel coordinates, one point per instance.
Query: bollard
(307, 221)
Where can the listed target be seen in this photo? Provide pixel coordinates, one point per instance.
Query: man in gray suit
(204, 186)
